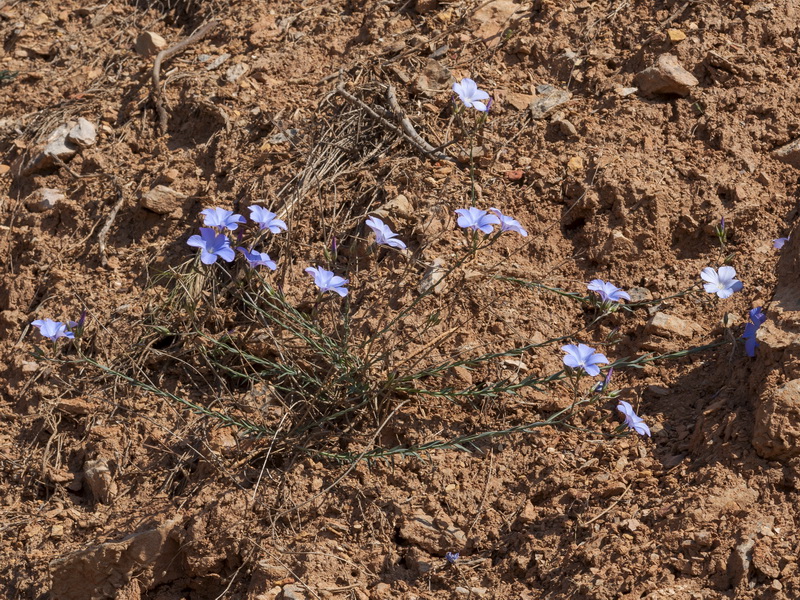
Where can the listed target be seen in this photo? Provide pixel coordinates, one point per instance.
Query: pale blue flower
(220, 218)
(384, 235)
(509, 224)
(451, 557)
(583, 357)
(633, 420)
(757, 319)
(52, 330)
(607, 291)
(266, 219)
(778, 244)
(328, 282)
(722, 283)
(470, 95)
(476, 219)
(212, 245)
(255, 258)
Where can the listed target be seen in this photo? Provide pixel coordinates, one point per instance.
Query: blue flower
(220, 218)
(476, 219)
(470, 95)
(53, 330)
(255, 258)
(326, 281)
(451, 557)
(583, 357)
(778, 244)
(633, 420)
(722, 283)
(266, 219)
(509, 224)
(607, 291)
(212, 245)
(384, 235)
(757, 319)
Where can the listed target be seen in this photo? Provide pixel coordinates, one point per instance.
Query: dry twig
(406, 129)
(167, 54)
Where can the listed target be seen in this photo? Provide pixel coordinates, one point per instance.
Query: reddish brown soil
(706, 508)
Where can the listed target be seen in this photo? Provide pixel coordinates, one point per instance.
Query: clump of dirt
(619, 135)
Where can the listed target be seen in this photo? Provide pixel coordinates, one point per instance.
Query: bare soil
(109, 490)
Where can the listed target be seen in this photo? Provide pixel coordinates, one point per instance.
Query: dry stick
(103, 233)
(407, 130)
(167, 54)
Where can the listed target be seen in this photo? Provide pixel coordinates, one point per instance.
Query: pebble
(567, 128)
(83, 134)
(161, 200)
(235, 72)
(667, 76)
(294, 591)
(433, 78)
(546, 100)
(97, 476)
(675, 35)
(149, 43)
(640, 294)
(789, 154)
(433, 278)
(44, 199)
(669, 325)
(778, 422)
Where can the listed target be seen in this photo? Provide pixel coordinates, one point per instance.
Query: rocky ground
(620, 134)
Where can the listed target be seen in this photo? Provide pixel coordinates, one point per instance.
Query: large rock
(148, 558)
(667, 76)
(64, 142)
(161, 200)
(790, 153)
(44, 199)
(149, 43)
(776, 435)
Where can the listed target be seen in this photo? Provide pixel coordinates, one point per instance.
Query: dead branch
(167, 54)
(406, 129)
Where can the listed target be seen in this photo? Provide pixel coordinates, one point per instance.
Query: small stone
(789, 154)
(515, 174)
(639, 294)
(546, 100)
(29, 367)
(667, 76)
(400, 206)
(434, 278)
(433, 78)
(44, 199)
(57, 531)
(528, 513)
(294, 591)
(97, 477)
(739, 563)
(575, 164)
(776, 434)
(519, 101)
(670, 326)
(626, 91)
(149, 43)
(382, 591)
(217, 62)
(4, 169)
(675, 35)
(776, 585)
(567, 128)
(235, 72)
(169, 176)
(83, 134)
(161, 200)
